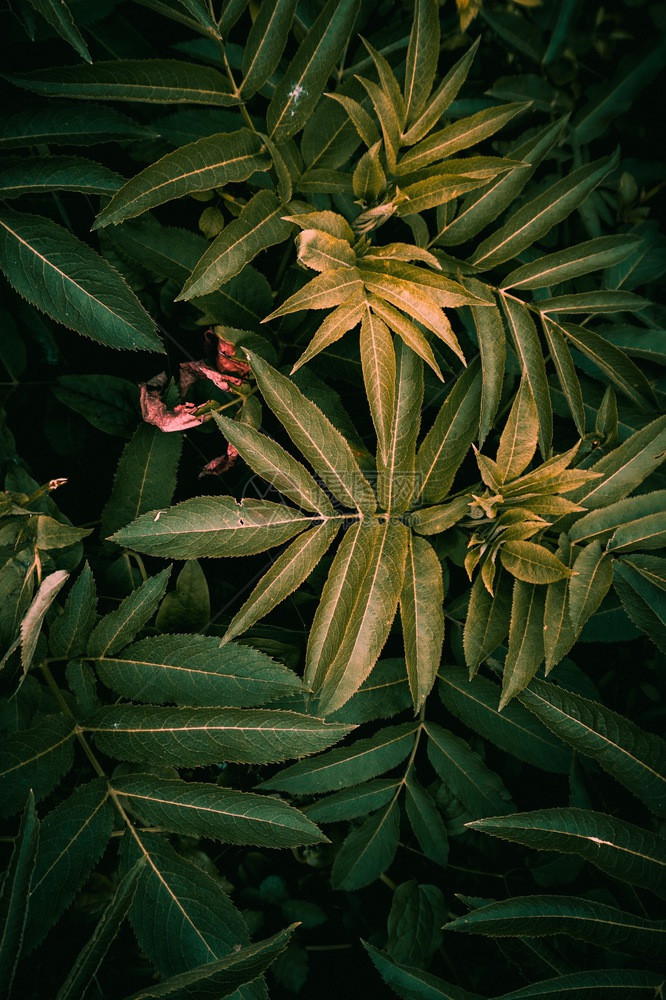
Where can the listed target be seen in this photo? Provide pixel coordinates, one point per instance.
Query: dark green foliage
(337, 326)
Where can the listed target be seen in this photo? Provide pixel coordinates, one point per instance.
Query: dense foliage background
(392, 724)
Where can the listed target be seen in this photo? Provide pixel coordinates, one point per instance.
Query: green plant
(464, 254)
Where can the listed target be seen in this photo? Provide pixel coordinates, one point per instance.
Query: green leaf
(324, 447)
(384, 694)
(259, 225)
(487, 621)
(194, 809)
(89, 959)
(208, 527)
(422, 55)
(589, 584)
(519, 437)
(492, 346)
(109, 403)
(584, 919)
(448, 440)
(119, 627)
(435, 520)
(530, 355)
(483, 207)
(301, 86)
(333, 287)
(195, 670)
(641, 599)
(343, 318)
(20, 175)
(526, 649)
(427, 823)
(31, 625)
(188, 607)
(181, 915)
(351, 803)
(265, 44)
(347, 766)
(538, 216)
(289, 571)
(145, 477)
(598, 984)
(415, 922)
(422, 617)
(369, 618)
(378, 364)
(618, 848)
(69, 632)
(465, 774)
(34, 759)
(156, 81)
(220, 978)
(15, 895)
(395, 475)
(415, 984)
(67, 124)
(515, 730)
(368, 850)
(59, 16)
(320, 251)
(604, 522)
(532, 563)
(210, 162)
(634, 757)
(625, 468)
(566, 374)
(270, 461)
(563, 265)
(406, 330)
(460, 135)
(613, 362)
(645, 533)
(445, 93)
(74, 836)
(72, 284)
(192, 737)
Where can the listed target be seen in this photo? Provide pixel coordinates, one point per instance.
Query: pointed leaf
(347, 766)
(422, 55)
(270, 461)
(34, 759)
(526, 649)
(514, 730)
(207, 163)
(448, 440)
(194, 670)
(21, 175)
(371, 615)
(528, 348)
(642, 600)
(566, 374)
(194, 809)
(119, 627)
(434, 520)
(259, 225)
(368, 850)
(31, 626)
(487, 622)
(618, 848)
(405, 329)
(532, 563)
(536, 218)
(68, 124)
(559, 633)
(192, 737)
(599, 984)
(412, 983)
(15, 895)
(69, 633)
(427, 823)
(145, 477)
(265, 44)
(209, 527)
(570, 262)
(343, 318)
(74, 836)
(465, 774)
(584, 919)
(625, 468)
(606, 521)
(443, 96)
(645, 533)
(379, 370)
(350, 803)
(72, 284)
(90, 958)
(301, 86)
(519, 437)
(59, 16)
(422, 618)
(323, 446)
(591, 580)
(157, 81)
(287, 573)
(634, 757)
